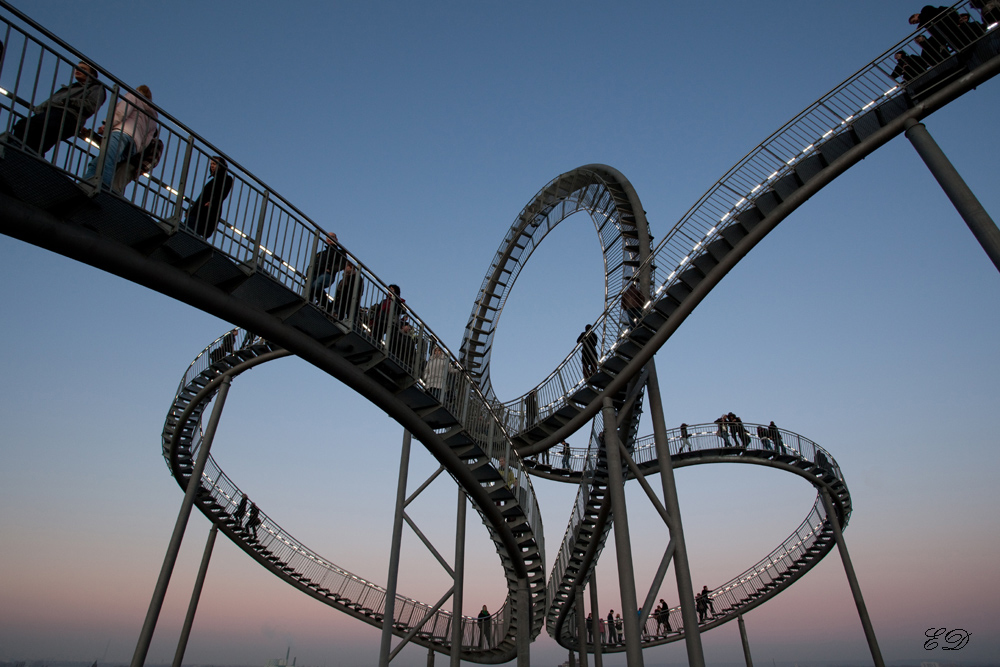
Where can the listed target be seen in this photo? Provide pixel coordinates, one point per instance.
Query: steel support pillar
(523, 623)
(682, 568)
(595, 610)
(389, 609)
(852, 579)
(430, 657)
(199, 583)
(456, 616)
(581, 627)
(746, 643)
(170, 558)
(623, 543)
(961, 196)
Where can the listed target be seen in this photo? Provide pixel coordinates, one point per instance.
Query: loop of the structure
(623, 232)
(703, 444)
(256, 533)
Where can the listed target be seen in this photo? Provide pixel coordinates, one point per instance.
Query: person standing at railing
(588, 351)
(723, 431)
(612, 632)
(62, 115)
(436, 373)
(344, 296)
(484, 627)
(565, 455)
(685, 443)
(779, 445)
(133, 127)
(206, 211)
(253, 521)
(327, 263)
(908, 66)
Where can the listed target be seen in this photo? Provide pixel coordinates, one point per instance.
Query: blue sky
(867, 321)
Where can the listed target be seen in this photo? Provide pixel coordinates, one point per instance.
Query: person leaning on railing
(62, 115)
(206, 211)
(133, 127)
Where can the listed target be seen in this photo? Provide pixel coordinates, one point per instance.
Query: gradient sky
(867, 322)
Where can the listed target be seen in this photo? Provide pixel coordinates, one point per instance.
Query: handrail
(260, 232)
(275, 544)
(263, 233)
(709, 443)
(753, 179)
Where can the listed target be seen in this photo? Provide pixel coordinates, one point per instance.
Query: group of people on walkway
(946, 31)
(247, 517)
(731, 431)
(131, 144)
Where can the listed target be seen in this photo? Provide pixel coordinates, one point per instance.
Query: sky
(417, 132)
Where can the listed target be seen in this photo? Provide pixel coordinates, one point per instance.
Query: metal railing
(700, 440)
(775, 158)
(276, 545)
(256, 228)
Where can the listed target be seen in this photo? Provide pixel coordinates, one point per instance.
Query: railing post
(102, 152)
(311, 271)
(175, 219)
(259, 234)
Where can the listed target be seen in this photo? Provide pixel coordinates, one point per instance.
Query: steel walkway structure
(258, 268)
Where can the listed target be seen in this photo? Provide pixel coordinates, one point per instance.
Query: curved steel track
(257, 269)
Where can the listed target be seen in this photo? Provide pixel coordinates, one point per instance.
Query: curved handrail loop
(622, 230)
(784, 565)
(782, 172)
(220, 500)
(261, 267)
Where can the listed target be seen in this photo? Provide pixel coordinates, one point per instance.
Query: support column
(523, 624)
(595, 609)
(389, 608)
(852, 579)
(581, 627)
(746, 643)
(170, 558)
(961, 196)
(623, 543)
(199, 582)
(682, 568)
(457, 599)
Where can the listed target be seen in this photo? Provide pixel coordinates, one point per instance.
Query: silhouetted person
(531, 408)
(484, 627)
(327, 263)
(206, 210)
(908, 67)
(685, 442)
(988, 9)
(775, 434)
(588, 351)
(632, 302)
(61, 116)
(241, 510)
(253, 521)
(348, 291)
(565, 455)
(703, 603)
(612, 632)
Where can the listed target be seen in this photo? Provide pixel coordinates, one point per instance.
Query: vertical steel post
(852, 579)
(175, 219)
(389, 608)
(961, 196)
(195, 596)
(746, 643)
(430, 657)
(457, 598)
(595, 609)
(170, 558)
(581, 627)
(623, 543)
(523, 623)
(682, 568)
